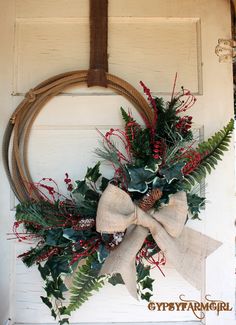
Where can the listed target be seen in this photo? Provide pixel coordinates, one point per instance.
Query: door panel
(148, 40)
(52, 42)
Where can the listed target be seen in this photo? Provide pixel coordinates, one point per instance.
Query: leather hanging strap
(98, 43)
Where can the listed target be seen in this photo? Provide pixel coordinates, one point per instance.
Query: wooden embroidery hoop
(22, 119)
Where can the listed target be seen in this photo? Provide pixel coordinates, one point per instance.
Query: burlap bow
(183, 247)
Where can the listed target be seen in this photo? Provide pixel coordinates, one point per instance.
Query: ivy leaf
(195, 204)
(86, 198)
(44, 271)
(71, 234)
(54, 315)
(85, 206)
(153, 165)
(158, 182)
(83, 191)
(116, 279)
(140, 177)
(147, 283)
(102, 253)
(64, 321)
(142, 271)
(173, 172)
(61, 286)
(46, 301)
(92, 196)
(52, 289)
(81, 187)
(144, 281)
(96, 266)
(58, 265)
(104, 183)
(146, 296)
(54, 237)
(93, 174)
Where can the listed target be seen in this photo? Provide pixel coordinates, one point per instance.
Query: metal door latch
(226, 50)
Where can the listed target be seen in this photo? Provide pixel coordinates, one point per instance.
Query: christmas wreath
(115, 230)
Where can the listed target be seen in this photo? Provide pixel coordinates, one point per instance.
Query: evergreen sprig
(37, 213)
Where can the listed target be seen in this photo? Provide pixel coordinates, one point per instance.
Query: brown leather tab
(98, 43)
(97, 77)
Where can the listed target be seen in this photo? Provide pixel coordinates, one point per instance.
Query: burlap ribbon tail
(183, 247)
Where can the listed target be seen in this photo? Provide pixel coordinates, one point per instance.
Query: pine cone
(148, 201)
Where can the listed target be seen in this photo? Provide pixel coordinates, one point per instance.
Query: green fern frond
(86, 281)
(211, 152)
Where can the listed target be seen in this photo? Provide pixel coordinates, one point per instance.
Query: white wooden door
(149, 40)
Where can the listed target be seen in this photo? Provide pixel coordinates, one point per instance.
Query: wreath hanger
(98, 43)
(22, 119)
